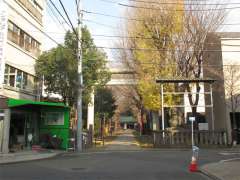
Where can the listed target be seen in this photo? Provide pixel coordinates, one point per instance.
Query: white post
(192, 119)
(163, 125)
(90, 117)
(213, 120)
(6, 131)
(192, 134)
(80, 78)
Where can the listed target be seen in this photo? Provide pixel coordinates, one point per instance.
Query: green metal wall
(61, 131)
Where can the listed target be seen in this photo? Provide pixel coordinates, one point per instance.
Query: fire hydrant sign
(3, 38)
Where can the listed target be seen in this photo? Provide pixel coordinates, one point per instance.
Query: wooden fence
(184, 138)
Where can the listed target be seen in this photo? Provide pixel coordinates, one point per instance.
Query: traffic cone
(193, 166)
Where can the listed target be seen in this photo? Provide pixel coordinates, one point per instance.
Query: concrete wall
(216, 67)
(213, 70)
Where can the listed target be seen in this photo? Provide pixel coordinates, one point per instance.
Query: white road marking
(228, 160)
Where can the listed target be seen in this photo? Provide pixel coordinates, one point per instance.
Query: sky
(107, 25)
(99, 25)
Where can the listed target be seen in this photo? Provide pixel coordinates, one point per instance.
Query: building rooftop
(185, 81)
(229, 34)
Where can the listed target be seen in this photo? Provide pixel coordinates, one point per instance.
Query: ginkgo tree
(166, 40)
(148, 51)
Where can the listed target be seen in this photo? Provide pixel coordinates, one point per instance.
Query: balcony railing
(15, 38)
(35, 12)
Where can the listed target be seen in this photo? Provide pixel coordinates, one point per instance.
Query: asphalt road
(115, 165)
(122, 159)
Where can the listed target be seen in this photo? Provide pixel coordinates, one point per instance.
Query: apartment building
(21, 26)
(22, 46)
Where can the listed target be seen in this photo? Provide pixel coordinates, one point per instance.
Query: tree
(58, 66)
(146, 52)
(232, 88)
(177, 32)
(199, 20)
(156, 29)
(104, 105)
(104, 102)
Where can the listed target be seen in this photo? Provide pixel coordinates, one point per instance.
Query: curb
(208, 174)
(31, 159)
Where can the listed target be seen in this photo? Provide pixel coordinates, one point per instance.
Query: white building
(21, 47)
(21, 23)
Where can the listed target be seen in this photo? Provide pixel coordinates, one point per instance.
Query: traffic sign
(192, 119)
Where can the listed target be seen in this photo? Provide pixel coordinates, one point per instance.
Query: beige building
(22, 47)
(21, 26)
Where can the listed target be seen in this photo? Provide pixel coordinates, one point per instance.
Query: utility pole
(80, 77)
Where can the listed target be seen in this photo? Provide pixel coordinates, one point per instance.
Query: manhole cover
(78, 169)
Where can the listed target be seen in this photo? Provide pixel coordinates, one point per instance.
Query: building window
(18, 79)
(13, 32)
(53, 118)
(24, 82)
(36, 5)
(25, 41)
(33, 7)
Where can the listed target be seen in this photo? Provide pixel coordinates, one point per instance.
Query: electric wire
(55, 7)
(152, 8)
(134, 19)
(195, 3)
(55, 16)
(69, 20)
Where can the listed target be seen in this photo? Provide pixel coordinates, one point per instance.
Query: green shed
(38, 118)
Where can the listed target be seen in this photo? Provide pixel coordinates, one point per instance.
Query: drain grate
(78, 169)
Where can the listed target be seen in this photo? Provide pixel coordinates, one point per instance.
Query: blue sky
(52, 26)
(57, 31)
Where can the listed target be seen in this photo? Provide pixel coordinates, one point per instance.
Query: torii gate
(184, 81)
(112, 82)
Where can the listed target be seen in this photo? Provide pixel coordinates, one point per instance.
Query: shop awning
(21, 102)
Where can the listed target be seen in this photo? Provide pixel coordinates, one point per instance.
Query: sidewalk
(27, 156)
(228, 169)
(125, 141)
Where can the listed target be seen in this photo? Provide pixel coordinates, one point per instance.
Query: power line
(183, 10)
(152, 8)
(162, 50)
(177, 3)
(128, 37)
(133, 19)
(174, 64)
(69, 20)
(56, 17)
(59, 13)
(101, 24)
(180, 42)
(108, 15)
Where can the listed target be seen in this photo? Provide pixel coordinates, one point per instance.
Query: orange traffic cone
(193, 166)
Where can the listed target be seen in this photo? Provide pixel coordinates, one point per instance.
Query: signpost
(192, 119)
(195, 149)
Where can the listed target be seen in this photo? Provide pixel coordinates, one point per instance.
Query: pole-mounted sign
(192, 119)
